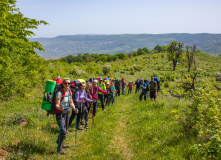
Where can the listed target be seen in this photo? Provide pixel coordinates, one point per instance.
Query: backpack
(117, 83)
(158, 82)
(92, 79)
(147, 82)
(48, 100)
(75, 86)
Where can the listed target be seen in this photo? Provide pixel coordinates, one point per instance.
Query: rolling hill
(111, 44)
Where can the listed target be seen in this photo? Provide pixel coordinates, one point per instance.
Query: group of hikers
(83, 97)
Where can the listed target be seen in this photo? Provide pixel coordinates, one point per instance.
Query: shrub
(106, 69)
(218, 76)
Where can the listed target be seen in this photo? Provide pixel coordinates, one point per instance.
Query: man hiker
(153, 89)
(100, 94)
(143, 86)
(137, 83)
(123, 86)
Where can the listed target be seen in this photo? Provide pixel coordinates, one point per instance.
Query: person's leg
(67, 119)
(95, 108)
(102, 102)
(145, 95)
(72, 117)
(141, 95)
(61, 121)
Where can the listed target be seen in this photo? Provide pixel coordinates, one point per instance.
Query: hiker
(143, 86)
(106, 96)
(153, 88)
(100, 94)
(123, 86)
(81, 99)
(130, 87)
(112, 90)
(117, 86)
(63, 102)
(94, 94)
(87, 104)
(137, 83)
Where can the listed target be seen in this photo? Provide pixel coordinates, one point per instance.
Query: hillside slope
(111, 44)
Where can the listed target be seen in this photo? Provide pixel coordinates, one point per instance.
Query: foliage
(203, 119)
(20, 66)
(175, 52)
(160, 48)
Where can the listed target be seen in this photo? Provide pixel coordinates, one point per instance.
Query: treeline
(111, 58)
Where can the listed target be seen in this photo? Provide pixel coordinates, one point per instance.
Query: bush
(106, 69)
(218, 76)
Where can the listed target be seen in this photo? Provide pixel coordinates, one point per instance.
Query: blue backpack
(158, 82)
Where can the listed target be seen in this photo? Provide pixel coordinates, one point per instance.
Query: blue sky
(70, 17)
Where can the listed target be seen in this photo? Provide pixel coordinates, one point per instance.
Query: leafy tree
(140, 51)
(159, 48)
(175, 52)
(146, 50)
(21, 67)
(190, 55)
(122, 56)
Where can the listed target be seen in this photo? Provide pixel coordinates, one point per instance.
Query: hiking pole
(76, 128)
(59, 139)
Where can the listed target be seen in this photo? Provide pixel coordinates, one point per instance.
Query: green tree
(159, 48)
(190, 51)
(146, 50)
(20, 66)
(140, 51)
(175, 52)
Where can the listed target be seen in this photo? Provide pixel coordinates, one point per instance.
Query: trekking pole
(108, 104)
(59, 139)
(76, 128)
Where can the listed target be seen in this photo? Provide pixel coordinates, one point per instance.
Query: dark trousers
(84, 114)
(137, 90)
(143, 93)
(95, 108)
(129, 91)
(117, 92)
(64, 122)
(78, 115)
(101, 97)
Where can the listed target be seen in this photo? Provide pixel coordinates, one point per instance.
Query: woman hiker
(63, 102)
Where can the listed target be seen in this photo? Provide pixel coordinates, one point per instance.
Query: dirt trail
(120, 141)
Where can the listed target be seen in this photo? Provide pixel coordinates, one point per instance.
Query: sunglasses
(67, 83)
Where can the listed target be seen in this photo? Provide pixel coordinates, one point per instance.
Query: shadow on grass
(26, 148)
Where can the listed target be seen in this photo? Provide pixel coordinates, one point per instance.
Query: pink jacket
(95, 92)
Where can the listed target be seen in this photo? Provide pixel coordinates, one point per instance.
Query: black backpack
(117, 83)
(147, 82)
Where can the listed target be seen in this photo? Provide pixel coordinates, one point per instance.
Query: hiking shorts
(152, 94)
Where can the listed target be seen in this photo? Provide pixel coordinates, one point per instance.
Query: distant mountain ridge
(123, 43)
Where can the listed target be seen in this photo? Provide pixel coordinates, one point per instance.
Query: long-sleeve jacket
(95, 92)
(81, 95)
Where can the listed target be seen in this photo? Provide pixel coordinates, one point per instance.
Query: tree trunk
(174, 65)
(189, 68)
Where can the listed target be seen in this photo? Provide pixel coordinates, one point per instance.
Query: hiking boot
(61, 151)
(80, 128)
(65, 146)
(86, 126)
(82, 122)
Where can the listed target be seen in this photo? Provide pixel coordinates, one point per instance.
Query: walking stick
(59, 139)
(76, 128)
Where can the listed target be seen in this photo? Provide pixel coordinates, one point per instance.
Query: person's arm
(72, 105)
(156, 89)
(57, 106)
(100, 90)
(77, 99)
(87, 99)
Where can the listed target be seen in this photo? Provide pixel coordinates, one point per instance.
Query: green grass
(132, 130)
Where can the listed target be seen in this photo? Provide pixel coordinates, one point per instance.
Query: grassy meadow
(131, 130)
